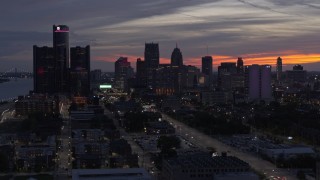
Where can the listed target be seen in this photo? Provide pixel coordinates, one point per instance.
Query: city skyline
(258, 31)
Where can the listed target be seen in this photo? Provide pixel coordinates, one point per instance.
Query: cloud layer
(255, 29)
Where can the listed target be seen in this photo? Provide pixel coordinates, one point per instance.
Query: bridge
(16, 72)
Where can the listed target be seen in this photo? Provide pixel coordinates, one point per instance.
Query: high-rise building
(279, 69)
(152, 58)
(61, 55)
(176, 57)
(207, 67)
(151, 55)
(225, 73)
(240, 69)
(189, 78)
(166, 79)
(141, 76)
(259, 82)
(80, 71)
(52, 71)
(43, 69)
(123, 71)
(297, 74)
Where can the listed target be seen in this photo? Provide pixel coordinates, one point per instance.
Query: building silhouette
(53, 71)
(279, 69)
(80, 71)
(225, 72)
(207, 67)
(166, 78)
(297, 74)
(141, 75)
(43, 69)
(123, 72)
(176, 57)
(61, 54)
(240, 69)
(151, 57)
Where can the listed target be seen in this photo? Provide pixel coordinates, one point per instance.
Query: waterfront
(15, 87)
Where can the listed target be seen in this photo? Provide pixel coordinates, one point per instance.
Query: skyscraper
(259, 82)
(61, 55)
(279, 69)
(43, 69)
(123, 71)
(176, 57)
(52, 70)
(207, 67)
(80, 71)
(225, 72)
(141, 75)
(151, 57)
(240, 69)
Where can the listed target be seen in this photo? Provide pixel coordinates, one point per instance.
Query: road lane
(203, 141)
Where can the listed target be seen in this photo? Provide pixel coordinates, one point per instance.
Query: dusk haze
(160, 90)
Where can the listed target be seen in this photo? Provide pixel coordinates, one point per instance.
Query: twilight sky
(257, 30)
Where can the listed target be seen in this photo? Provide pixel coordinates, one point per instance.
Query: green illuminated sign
(105, 86)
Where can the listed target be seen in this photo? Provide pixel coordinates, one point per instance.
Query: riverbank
(3, 80)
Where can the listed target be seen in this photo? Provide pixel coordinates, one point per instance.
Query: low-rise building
(111, 174)
(36, 103)
(201, 165)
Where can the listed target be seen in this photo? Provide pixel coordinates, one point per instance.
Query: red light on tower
(40, 71)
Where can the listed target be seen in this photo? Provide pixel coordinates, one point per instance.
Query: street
(204, 141)
(64, 155)
(144, 157)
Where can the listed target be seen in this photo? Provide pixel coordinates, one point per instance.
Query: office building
(279, 69)
(123, 72)
(207, 67)
(111, 174)
(43, 69)
(225, 73)
(166, 79)
(61, 56)
(53, 71)
(240, 69)
(176, 57)
(201, 166)
(259, 82)
(80, 71)
(297, 74)
(141, 75)
(189, 78)
(36, 104)
(151, 57)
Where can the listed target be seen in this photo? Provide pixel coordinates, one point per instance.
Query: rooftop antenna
(207, 50)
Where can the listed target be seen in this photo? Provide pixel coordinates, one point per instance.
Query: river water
(15, 87)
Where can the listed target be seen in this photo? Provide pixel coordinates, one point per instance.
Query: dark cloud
(13, 42)
(121, 27)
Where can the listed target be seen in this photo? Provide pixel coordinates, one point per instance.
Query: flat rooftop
(111, 174)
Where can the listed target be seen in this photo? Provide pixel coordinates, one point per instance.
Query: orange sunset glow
(264, 58)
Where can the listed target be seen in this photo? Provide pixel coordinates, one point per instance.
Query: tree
(4, 163)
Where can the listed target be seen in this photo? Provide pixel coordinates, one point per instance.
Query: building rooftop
(111, 174)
